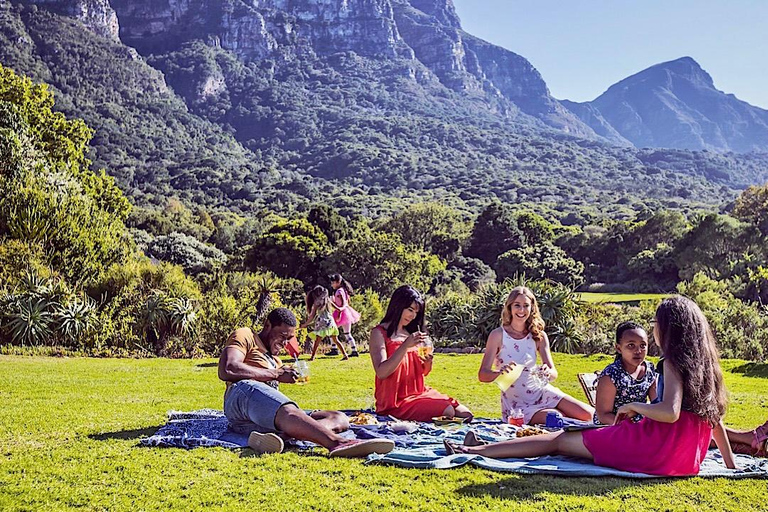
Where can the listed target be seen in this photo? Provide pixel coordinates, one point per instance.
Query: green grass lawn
(69, 430)
(618, 298)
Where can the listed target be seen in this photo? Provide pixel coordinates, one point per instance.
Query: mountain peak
(675, 104)
(684, 67)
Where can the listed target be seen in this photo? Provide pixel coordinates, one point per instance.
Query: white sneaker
(265, 443)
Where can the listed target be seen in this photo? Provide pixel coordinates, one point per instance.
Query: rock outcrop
(96, 15)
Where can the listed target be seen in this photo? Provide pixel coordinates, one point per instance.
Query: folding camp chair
(588, 383)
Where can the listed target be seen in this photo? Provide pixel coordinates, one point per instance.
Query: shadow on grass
(752, 370)
(207, 365)
(126, 434)
(531, 487)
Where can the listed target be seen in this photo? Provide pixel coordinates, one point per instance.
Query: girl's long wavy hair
(401, 299)
(318, 295)
(689, 345)
(534, 323)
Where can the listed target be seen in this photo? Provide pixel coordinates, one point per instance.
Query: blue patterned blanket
(423, 448)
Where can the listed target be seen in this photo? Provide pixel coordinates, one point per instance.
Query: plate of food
(530, 431)
(447, 420)
(365, 420)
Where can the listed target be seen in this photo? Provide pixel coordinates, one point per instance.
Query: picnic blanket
(423, 448)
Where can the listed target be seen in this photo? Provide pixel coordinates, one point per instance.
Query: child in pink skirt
(344, 314)
(674, 434)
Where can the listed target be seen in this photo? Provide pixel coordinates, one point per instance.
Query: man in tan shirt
(253, 403)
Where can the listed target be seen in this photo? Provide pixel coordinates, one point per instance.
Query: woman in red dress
(400, 372)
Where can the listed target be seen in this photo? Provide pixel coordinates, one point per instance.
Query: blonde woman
(518, 341)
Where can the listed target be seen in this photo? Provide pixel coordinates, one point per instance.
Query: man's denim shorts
(252, 405)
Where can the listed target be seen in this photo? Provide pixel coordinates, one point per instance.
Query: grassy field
(618, 298)
(69, 430)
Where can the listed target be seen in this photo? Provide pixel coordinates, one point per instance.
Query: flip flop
(265, 443)
(363, 448)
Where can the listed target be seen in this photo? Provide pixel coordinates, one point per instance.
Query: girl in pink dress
(517, 342)
(343, 313)
(674, 434)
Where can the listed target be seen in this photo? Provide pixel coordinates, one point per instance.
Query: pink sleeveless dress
(652, 447)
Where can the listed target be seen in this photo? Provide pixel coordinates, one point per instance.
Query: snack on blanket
(530, 431)
(447, 420)
(363, 418)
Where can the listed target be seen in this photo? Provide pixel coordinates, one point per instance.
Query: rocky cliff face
(96, 15)
(426, 32)
(676, 105)
(517, 80)
(259, 28)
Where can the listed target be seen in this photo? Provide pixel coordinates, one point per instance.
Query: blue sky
(582, 47)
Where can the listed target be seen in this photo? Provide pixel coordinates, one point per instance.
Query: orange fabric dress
(403, 394)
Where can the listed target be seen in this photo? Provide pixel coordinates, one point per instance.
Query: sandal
(362, 448)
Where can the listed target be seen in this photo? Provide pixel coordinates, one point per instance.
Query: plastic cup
(424, 349)
(302, 368)
(506, 379)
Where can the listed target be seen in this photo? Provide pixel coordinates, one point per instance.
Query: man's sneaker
(265, 443)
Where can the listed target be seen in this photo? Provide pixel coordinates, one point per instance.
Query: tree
(380, 261)
(545, 261)
(331, 223)
(293, 248)
(495, 231)
(431, 227)
(474, 273)
(715, 245)
(191, 254)
(752, 206)
(48, 195)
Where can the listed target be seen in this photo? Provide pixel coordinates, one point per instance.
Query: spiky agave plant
(182, 316)
(155, 319)
(75, 319)
(29, 321)
(265, 287)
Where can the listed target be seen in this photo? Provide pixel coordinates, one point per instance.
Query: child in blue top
(630, 378)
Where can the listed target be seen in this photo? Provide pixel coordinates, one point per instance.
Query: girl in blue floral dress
(630, 378)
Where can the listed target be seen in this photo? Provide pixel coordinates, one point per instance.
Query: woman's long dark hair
(400, 301)
(689, 345)
(344, 283)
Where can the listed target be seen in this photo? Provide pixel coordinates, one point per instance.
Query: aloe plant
(76, 319)
(30, 322)
(182, 316)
